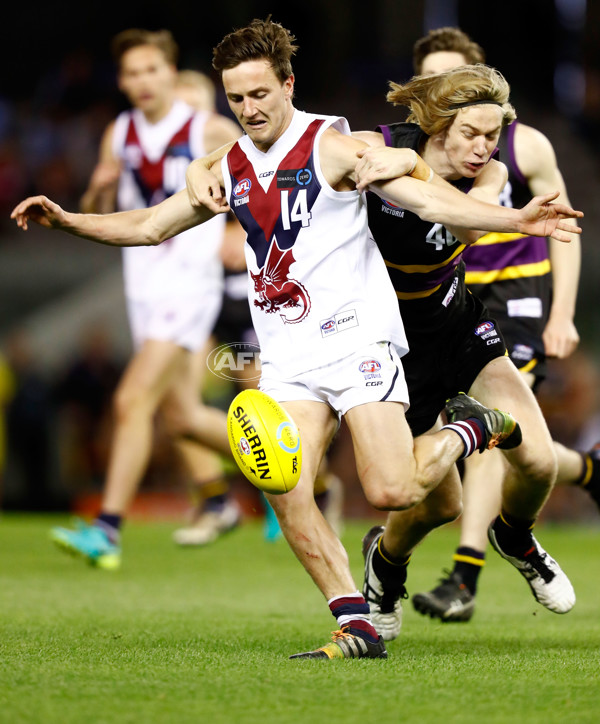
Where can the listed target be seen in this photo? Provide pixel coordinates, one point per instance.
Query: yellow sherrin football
(265, 442)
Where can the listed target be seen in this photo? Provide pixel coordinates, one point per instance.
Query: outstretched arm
(537, 161)
(446, 205)
(379, 165)
(142, 227)
(486, 187)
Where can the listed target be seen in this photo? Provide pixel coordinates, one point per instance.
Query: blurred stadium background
(63, 332)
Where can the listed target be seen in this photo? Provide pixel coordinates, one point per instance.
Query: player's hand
(382, 164)
(41, 210)
(560, 337)
(204, 189)
(542, 218)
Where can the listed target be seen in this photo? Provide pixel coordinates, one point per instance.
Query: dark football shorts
(525, 346)
(522, 335)
(449, 346)
(234, 323)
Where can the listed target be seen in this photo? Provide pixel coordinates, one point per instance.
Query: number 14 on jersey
(298, 212)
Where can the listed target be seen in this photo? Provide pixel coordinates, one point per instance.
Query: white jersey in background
(155, 158)
(318, 286)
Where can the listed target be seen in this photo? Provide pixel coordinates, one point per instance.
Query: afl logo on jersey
(390, 205)
(329, 324)
(242, 188)
(483, 328)
(369, 366)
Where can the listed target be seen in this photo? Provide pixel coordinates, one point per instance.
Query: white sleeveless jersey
(318, 286)
(155, 158)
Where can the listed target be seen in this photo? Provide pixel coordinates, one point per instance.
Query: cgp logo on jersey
(339, 322)
(234, 360)
(293, 177)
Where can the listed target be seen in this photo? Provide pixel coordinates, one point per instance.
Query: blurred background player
(234, 325)
(529, 286)
(173, 293)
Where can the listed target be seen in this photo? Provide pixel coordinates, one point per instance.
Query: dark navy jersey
(420, 255)
(511, 273)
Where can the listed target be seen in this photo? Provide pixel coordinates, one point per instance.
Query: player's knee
(541, 468)
(445, 511)
(395, 497)
(127, 402)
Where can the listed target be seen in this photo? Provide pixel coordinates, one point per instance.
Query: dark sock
(514, 534)
(111, 524)
(589, 479)
(321, 499)
(390, 570)
(215, 503)
(468, 563)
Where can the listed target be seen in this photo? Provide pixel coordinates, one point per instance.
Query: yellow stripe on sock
(468, 559)
(387, 560)
(589, 468)
(510, 526)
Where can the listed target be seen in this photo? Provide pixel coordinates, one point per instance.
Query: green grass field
(204, 636)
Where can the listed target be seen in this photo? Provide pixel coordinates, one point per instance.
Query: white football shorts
(187, 321)
(373, 373)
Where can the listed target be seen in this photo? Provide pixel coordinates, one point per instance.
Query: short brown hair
(433, 99)
(446, 39)
(261, 39)
(134, 37)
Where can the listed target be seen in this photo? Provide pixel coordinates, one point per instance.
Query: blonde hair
(434, 100)
(198, 85)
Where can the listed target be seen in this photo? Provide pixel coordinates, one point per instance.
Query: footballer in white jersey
(318, 286)
(173, 291)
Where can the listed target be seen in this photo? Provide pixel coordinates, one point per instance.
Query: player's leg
(579, 469)
(317, 547)
(453, 599)
(143, 385)
(414, 468)
(382, 437)
(181, 410)
(413, 471)
(387, 550)
(527, 484)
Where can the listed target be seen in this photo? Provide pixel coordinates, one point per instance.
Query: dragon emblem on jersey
(276, 291)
